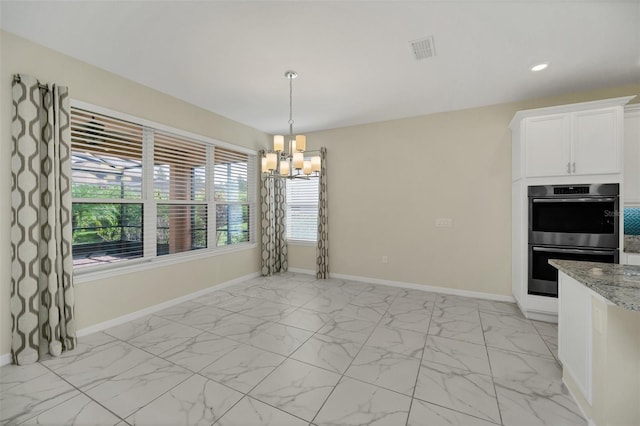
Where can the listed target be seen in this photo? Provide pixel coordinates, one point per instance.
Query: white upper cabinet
(632, 155)
(596, 142)
(548, 145)
(578, 143)
(569, 140)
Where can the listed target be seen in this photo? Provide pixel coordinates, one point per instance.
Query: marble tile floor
(292, 350)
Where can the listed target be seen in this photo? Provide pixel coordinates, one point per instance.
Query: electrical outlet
(444, 222)
(385, 259)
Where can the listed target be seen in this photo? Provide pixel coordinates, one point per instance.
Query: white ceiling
(353, 57)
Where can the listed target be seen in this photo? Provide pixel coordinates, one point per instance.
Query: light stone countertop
(619, 284)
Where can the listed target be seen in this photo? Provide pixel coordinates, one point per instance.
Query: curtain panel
(273, 211)
(322, 249)
(42, 294)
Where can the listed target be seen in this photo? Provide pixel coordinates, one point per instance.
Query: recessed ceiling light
(539, 67)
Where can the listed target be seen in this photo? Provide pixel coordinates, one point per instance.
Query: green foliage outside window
(100, 222)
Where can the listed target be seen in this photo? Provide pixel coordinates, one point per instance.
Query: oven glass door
(589, 221)
(543, 278)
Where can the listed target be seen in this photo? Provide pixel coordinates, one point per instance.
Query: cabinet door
(547, 145)
(633, 259)
(596, 141)
(632, 156)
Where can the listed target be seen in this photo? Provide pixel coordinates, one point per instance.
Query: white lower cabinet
(599, 348)
(632, 259)
(575, 340)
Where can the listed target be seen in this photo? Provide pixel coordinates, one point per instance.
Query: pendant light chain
(290, 108)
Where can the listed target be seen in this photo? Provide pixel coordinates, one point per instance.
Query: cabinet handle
(574, 167)
(568, 167)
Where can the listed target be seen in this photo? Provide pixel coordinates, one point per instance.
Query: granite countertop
(619, 284)
(632, 243)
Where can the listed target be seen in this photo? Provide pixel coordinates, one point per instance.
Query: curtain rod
(17, 79)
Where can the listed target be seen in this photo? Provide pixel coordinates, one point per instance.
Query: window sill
(109, 271)
(302, 243)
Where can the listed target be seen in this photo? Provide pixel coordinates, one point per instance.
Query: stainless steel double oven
(575, 222)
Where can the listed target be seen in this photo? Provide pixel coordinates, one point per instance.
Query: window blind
(106, 174)
(302, 209)
(180, 228)
(132, 180)
(179, 168)
(179, 178)
(106, 157)
(234, 182)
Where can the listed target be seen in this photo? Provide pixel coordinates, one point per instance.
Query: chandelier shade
(289, 157)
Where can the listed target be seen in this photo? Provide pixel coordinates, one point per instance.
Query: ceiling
(353, 58)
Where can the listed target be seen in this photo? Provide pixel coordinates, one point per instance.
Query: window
(179, 187)
(142, 192)
(231, 183)
(107, 210)
(302, 209)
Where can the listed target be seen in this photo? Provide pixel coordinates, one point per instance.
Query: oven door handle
(575, 200)
(572, 251)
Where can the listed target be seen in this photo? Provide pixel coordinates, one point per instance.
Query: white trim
(426, 287)
(560, 109)
(158, 126)
(160, 306)
(5, 359)
(414, 286)
(302, 271)
(590, 421)
(120, 268)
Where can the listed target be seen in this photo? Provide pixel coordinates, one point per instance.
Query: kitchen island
(599, 339)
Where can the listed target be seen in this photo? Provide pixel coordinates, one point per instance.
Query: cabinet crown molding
(560, 109)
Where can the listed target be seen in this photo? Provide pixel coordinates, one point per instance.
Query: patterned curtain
(42, 296)
(322, 250)
(274, 242)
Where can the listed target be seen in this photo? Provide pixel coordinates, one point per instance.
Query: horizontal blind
(180, 228)
(230, 176)
(188, 184)
(106, 175)
(106, 156)
(234, 194)
(179, 168)
(302, 209)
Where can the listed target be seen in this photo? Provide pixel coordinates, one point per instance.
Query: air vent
(423, 48)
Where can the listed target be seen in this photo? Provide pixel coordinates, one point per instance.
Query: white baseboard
(590, 421)
(5, 359)
(541, 316)
(414, 286)
(302, 271)
(155, 308)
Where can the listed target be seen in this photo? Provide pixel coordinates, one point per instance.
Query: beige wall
(106, 299)
(389, 181)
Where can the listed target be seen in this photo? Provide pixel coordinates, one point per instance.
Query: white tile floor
(290, 350)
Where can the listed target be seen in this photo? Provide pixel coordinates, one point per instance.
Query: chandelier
(287, 160)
